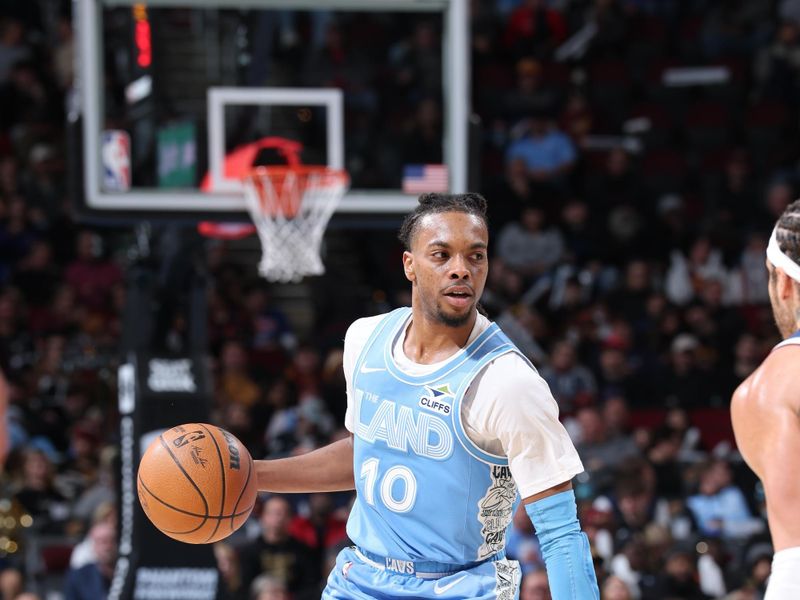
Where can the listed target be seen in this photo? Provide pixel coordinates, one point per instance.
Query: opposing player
(765, 409)
(450, 426)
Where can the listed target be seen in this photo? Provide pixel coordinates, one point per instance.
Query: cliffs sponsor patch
(437, 399)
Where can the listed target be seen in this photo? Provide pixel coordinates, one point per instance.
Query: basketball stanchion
(291, 207)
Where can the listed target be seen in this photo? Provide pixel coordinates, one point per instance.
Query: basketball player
(765, 410)
(450, 425)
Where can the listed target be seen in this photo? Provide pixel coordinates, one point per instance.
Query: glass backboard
(172, 91)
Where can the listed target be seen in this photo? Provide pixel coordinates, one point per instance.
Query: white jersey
(508, 411)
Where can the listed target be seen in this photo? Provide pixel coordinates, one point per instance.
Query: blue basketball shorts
(356, 577)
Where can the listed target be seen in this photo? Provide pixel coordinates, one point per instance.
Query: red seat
(714, 425)
(55, 557)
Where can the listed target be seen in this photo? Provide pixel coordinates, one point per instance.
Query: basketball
(197, 483)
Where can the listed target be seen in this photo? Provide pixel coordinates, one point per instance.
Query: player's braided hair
(788, 231)
(471, 204)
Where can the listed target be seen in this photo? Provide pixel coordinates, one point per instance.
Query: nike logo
(440, 589)
(366, 369)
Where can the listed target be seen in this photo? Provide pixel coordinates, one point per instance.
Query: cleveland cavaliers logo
(495, 510)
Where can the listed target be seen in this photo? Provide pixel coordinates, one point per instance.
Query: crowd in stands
(629, 221)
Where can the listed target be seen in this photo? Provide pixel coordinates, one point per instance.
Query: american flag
(419, 179)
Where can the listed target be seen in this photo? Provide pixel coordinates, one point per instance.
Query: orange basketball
(197, 483)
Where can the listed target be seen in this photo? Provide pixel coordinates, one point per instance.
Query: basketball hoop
(290, 207)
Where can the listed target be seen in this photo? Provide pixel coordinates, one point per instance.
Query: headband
(779, 260)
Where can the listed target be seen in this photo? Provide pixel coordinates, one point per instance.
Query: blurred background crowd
(629, 220)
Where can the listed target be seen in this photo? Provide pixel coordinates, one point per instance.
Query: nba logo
(116, 156)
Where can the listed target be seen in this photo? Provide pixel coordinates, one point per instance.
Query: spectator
(12, 46)
(27, 103)
(710, 565)
(281, 432)
(663, 452)
(599, 452)
(577, 119)
(333, 385)
(322, 529)
(720, 507)
(617, 184)
(334, 64)
(758, 565)
(80, 467)
(778, 194)
(533, 29)
(683, 384)
(630, 564)
(17, 233)
(748, 354)
(614, 588)
(635, 502)
(415, 63)
(571, 383)
(673, 229)
(582, 237)
(617, 417)
(92, 581)
(677, 420)
(531, 95)
(235, 383)
(64, 54)
(421, 142)
(617, 376)
(548, 153)
(534, 586)
(514, 192)
(38, 494)
(277, 554)
(84, 552)
(748, 283)
(266, 587)
(734, 193)
(37, 277)
(778, 64)
(679, 579)
(101, 492)
(11, 581)
(687, 276)
(612, 29)
(43, 186)
(529, 247)
(90, 274)
(230, 586)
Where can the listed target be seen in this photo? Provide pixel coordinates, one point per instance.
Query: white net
(290, 208)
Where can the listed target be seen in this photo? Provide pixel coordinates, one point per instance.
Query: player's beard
(453, 320)
(434, 310)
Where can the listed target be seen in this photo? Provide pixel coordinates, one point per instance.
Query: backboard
(169, 90)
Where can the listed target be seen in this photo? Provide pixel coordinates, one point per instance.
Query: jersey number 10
(401, 504)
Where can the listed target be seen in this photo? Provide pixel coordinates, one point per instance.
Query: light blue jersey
(426, 494)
